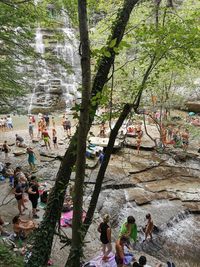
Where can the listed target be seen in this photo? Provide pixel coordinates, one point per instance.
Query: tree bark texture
(88, 220)
(76, 247)
(41, 249)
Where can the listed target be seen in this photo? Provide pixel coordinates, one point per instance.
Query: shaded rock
(193, 207)
(193, 106)
(19, 152)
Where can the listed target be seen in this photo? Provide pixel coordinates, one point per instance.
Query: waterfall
(55, 87)
(39, 45)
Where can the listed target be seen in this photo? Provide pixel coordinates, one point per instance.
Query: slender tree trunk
(102, 170)
(126, 110)
(76, 247)
(43, 239)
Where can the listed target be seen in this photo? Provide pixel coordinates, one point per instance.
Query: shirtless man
(119, 246)
(149, 227)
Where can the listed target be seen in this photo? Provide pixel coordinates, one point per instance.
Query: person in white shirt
(9, 122)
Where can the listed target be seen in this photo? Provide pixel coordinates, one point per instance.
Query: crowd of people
(25, 187)
(6, 123)
(128, 236)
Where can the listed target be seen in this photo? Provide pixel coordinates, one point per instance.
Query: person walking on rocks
(105, 237)
(148, 229)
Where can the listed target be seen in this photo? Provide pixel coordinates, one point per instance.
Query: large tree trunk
(76, 247)
(41, 249)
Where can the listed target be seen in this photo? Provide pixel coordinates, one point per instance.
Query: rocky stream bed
(167, 185)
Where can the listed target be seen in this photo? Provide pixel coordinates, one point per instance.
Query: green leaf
(113, 43)
(107, 53)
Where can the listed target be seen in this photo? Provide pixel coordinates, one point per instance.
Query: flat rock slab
(103, 142)
(145, 144)
(19, 153)
(139, 195)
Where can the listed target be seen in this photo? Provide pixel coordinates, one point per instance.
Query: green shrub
(8, 258)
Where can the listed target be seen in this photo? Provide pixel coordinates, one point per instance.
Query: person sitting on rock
(129, 229)
(2, 231)
(142, 262)
(120, 255)
(68, 204)
(22, 228)
(19, 141)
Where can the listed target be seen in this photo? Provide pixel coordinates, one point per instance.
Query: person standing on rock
(68, 127)
(129, 229)
(30, 129)
(53, 122)
(39, 129)
(18, 191)
(46, 118)
(46, 137)
(9, 122)
(31, 158)
(105, 237)
(54, 135)
(63, 122)
(33, 194)
(6, 149)
(148, 229)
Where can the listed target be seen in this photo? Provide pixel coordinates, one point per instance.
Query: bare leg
(109, 249)
(19, 204)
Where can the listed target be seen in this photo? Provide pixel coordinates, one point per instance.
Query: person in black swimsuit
(6, 149)
(18, 191)
(33, 195)
(105, 237)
